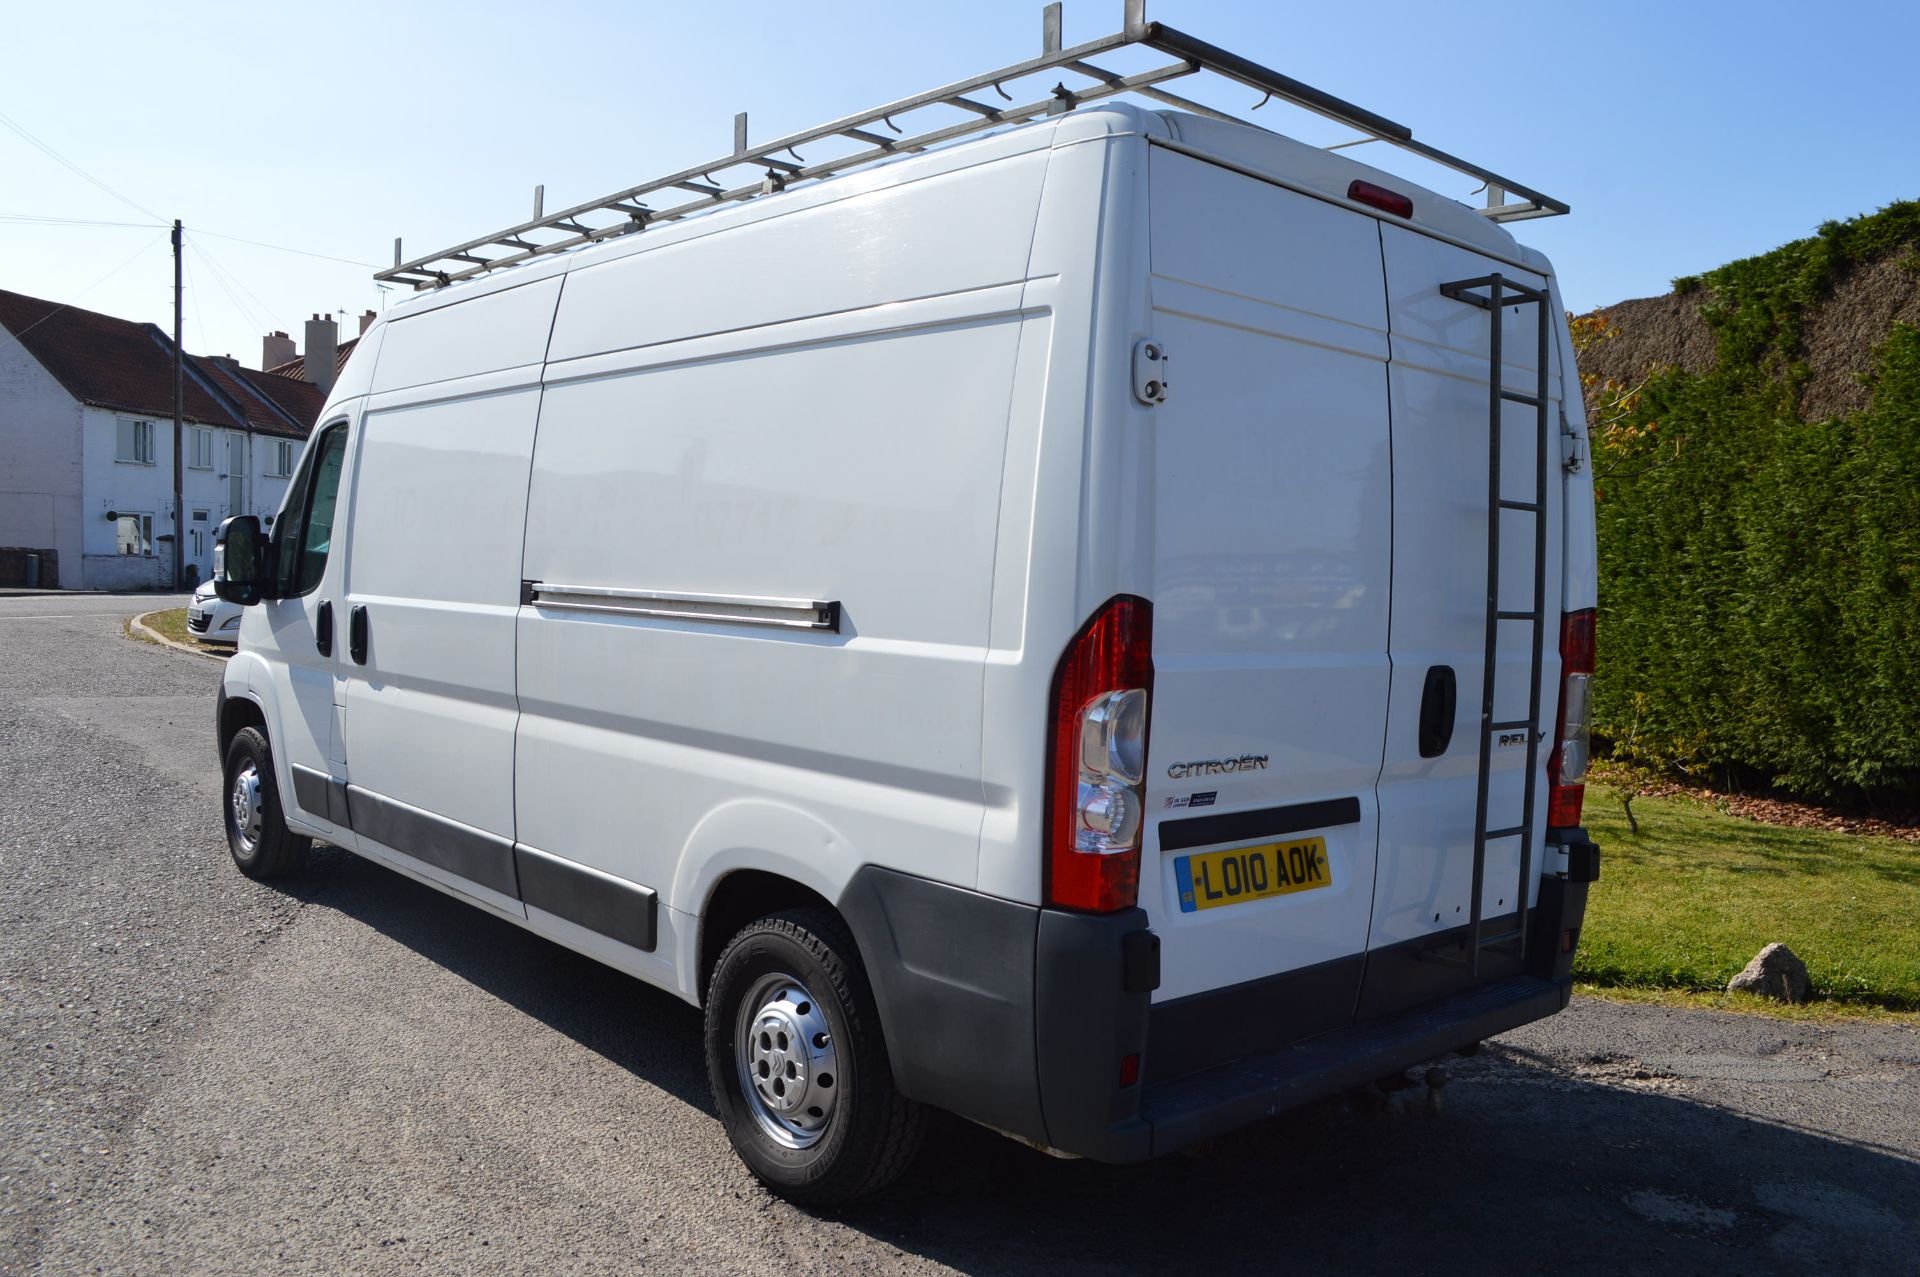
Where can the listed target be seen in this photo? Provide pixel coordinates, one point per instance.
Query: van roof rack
(777, 164)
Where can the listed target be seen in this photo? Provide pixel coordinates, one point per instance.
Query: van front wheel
(257, 833)
(797, 1064)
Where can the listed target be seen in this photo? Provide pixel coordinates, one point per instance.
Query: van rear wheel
(257, 833)
(797, 1064)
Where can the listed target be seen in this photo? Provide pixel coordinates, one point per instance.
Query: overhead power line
(29, 219)
(228, 283)
(193, 290)
(138, 207)
(344, 261)
(34, 219)
(68, 164)
(145, 249)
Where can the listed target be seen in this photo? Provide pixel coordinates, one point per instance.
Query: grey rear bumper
(1020, 1017)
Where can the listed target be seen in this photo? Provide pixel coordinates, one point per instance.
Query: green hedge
(1758, 572)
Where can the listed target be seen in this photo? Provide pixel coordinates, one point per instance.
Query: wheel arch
(753, 853)
(233, 714)
(736, 900)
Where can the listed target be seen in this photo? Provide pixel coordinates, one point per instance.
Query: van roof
(981, 103)
(1310, 169)
(1329, 175)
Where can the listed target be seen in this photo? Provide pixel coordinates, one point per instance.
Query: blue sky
(1684, 134)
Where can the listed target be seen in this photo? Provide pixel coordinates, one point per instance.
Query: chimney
(322, 336)
(276, 348)
(366, 322)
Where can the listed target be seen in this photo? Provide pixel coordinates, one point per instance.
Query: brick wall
(14, 567)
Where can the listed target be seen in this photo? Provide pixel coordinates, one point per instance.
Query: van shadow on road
(1528, 1167)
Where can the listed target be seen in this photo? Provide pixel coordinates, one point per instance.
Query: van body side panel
(438, 506)
(1272, 518)
(847, 448)
(1089, 234)
(481, 335)
(874, 730)
(947, 233)
(1582, 558)
(1439, 383)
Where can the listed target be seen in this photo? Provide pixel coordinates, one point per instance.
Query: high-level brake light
(1096, 759)
(1380, 197)
(1567, 767)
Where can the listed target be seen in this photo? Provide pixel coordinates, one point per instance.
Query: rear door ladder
(1499, 292)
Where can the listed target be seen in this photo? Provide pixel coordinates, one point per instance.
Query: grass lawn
(1686, 903)
(173, 624)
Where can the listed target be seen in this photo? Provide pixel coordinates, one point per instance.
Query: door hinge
(1150, 371)
(1573, 447)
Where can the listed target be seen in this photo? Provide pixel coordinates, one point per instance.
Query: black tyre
(256, 828)
(798, 1066)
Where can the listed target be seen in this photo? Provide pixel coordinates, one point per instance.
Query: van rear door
(1271, 528)
(1439, 379)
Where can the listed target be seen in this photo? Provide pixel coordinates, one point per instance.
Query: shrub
(1759, 609)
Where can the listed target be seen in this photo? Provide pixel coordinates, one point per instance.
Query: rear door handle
(1436, 711)
(357, 633)
(323, 629)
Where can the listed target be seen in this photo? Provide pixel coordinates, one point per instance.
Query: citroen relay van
(1085, 627)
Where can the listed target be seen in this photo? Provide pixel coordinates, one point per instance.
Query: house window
(134, 442)
(279, 459)
(202, 454)
(135, 532)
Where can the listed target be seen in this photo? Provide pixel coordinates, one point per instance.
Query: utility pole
(179, 393)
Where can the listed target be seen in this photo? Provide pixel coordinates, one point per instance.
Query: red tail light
(1567, 767)
(1096, 760)
(1380, 197)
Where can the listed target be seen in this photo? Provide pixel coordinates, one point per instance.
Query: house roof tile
(128, 367)
(271, 404)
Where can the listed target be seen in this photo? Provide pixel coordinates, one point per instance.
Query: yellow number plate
(1232, 877)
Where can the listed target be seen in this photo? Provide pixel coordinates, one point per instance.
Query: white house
(86, 448)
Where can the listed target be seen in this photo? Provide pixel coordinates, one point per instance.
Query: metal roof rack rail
(874, 135)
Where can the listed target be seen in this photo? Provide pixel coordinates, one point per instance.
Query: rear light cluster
(1097, 759)
(1567, 768)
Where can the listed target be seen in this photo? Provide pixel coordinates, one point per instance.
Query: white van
(1005, 629)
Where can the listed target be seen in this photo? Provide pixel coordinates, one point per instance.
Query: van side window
(306, 531)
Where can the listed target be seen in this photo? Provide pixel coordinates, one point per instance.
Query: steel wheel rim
(787, 1061)
(243, 807)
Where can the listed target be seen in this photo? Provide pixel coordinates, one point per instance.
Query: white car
(212, 619)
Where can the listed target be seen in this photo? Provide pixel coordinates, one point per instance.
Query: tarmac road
(358, 1075)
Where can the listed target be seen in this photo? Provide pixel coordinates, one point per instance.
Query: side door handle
(323, 629)
(357, 633)
(1436, 711)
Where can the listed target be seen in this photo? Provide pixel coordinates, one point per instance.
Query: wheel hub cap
(244, 799)
(789, 1070)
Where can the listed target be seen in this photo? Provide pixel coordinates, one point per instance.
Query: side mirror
(242, 568)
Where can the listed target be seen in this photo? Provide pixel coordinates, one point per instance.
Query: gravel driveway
(205, 1075)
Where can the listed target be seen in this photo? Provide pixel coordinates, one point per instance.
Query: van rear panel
(1320, 536)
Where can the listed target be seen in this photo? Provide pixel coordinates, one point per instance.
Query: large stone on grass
(1774, 973)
